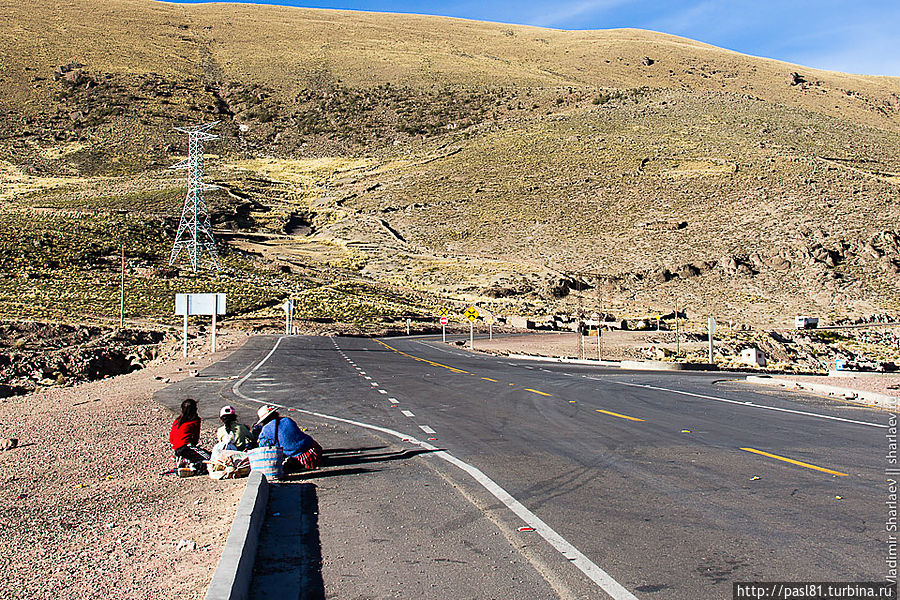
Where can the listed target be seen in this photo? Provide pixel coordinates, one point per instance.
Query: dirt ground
(616, 345)
(87, 512)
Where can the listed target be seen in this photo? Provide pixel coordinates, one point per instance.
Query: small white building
(753, 357)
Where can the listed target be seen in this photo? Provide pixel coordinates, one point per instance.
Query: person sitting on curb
(301, 451)
(239, 434)
(185, 439)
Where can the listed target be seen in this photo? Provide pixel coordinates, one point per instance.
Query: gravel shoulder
(86, 509)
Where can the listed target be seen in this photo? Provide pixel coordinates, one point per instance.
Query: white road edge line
(613, 588)
(750, 404)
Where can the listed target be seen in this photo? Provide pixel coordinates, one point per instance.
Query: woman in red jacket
(185, 438)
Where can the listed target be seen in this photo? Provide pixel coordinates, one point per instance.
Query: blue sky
(860, 36)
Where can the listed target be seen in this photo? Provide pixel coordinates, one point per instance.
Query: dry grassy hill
(422, 158)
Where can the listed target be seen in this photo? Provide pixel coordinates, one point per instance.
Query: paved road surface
(649, 485)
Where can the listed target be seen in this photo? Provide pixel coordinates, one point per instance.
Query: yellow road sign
(444, 312)
(471, 314)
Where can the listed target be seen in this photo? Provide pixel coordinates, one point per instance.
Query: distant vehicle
(806, 322)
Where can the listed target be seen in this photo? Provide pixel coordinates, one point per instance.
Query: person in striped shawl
(301, 451)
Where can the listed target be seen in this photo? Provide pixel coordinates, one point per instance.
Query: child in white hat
(237, 432)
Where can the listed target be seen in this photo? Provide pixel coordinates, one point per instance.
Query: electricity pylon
(195, 229)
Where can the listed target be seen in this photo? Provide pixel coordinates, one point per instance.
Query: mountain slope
(465, 160)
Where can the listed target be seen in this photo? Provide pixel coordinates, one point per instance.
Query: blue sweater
(289, 437)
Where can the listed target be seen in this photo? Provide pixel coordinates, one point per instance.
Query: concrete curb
(571, 361)
(634, 365)
(882, 400)
(231, 581)
(658, 365)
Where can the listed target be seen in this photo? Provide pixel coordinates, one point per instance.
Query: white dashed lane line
(612, 587)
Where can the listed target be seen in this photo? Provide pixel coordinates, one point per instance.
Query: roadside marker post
(712, 331)
(199, 304)
(408, 321)
(212, 341)
(677, 332)
(122, 293)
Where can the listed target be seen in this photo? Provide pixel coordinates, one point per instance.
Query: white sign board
(199, 304)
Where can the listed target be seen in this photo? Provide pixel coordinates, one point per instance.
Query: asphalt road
(658, 484)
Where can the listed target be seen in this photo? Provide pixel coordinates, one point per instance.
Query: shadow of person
(351, 450)
(329, 460)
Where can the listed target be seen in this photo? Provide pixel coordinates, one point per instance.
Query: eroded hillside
(377, 165)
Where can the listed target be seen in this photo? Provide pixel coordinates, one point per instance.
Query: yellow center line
(537, 392)
(795, 462)
(425, 360)
(608, 412)
(489, 379)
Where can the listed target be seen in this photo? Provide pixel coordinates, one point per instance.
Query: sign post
(408, 321)
(599, 346)
(471, 315)
(444, 312)
(712, 331)
(288, 307)
(199, 304)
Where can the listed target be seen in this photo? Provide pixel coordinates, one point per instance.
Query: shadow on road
(330, 451)
(320, 474)
(357, 458)
(289, 558)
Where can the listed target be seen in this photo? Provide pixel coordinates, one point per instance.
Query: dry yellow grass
(450, 155)
(290, 49)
